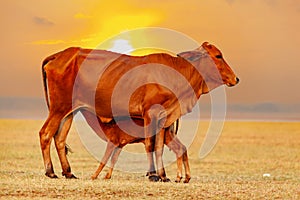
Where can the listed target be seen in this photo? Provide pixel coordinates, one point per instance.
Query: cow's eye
(219, 56)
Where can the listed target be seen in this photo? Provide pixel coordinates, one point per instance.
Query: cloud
(47, 42)
(42, 21)
(267, 107)
(271, 2)
(83, 40)
(268, 2)
(230, 1)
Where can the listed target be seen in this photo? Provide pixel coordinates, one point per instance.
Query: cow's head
(228, 76)
(210, 63)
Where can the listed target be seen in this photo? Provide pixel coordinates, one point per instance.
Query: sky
(259, 39)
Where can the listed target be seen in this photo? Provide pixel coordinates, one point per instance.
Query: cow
(167, 87)
(116, 139)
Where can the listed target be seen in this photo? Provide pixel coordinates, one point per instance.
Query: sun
(119, 23)
(123, 17)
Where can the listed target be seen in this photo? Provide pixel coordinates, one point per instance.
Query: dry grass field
(233, 170)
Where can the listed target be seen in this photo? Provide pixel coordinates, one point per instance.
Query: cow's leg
(47, 132)
(113, 160)
(60, 144)
(149, 147)
(109, 149)
(159, 147)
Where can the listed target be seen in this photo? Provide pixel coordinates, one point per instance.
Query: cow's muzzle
(237, 80)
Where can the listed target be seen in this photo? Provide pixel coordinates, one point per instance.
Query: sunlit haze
(259, 39)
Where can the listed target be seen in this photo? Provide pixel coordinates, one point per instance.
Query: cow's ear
(190, 55)
(206, 44)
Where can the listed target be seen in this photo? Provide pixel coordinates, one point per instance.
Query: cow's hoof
(154, 178)
(70, 176)
(165, 179)
(51, 175)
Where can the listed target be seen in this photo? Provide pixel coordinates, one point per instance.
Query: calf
(116, 139)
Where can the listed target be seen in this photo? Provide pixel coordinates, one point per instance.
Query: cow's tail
(47, 60)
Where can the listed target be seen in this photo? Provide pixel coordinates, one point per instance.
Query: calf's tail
(177, 126)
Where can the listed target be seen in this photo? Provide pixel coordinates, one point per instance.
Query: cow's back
(129, 83)
(60, 61)
(60, 70)
(88, 78)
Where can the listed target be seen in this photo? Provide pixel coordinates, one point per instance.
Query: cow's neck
(197, 82)
(203, 89)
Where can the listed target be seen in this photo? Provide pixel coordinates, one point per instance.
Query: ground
(233, 170)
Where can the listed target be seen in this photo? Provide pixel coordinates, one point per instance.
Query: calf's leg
(113, 160)
(181, 154)
(110, 147)
(186, 167)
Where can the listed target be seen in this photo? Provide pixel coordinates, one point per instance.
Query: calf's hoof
(94, 177)
(154, 178)
(178, 180)
(187, 179)
(107, 176)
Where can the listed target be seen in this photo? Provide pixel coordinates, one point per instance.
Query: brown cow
(82, 78)
(116, 139)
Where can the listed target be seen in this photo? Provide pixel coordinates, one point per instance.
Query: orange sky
(259, 38)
